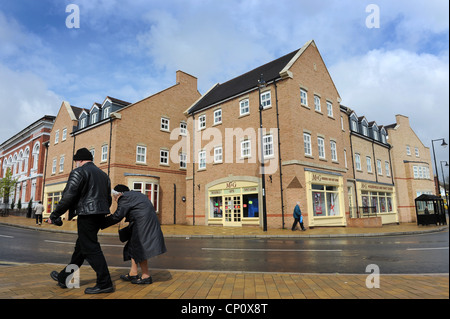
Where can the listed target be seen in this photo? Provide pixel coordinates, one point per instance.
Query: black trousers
(88, 248)
(38, 218)
(297, 220)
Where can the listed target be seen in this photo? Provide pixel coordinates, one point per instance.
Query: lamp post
(434, 156)
(443, 177)
(262, 84)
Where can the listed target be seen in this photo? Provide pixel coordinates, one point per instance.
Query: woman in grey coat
(146, 240)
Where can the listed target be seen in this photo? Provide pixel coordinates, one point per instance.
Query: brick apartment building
(413, 171)
(24, 154)
(131, 142)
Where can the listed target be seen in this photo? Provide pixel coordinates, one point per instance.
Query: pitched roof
(245, 82)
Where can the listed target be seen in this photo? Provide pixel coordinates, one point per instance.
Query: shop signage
(322, 178)
(374, 187)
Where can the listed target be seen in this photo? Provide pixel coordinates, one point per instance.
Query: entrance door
(233, 215)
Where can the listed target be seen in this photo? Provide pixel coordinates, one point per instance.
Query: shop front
(325, 196)
(233, 203)
(377, 199)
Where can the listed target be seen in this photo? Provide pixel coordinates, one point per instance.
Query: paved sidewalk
(32, 281)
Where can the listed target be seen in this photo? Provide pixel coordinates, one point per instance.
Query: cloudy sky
(130, 49)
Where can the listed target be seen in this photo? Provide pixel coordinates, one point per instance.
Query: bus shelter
(430, 210)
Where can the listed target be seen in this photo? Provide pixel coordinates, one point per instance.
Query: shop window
(250, 207)
(325, 200)
(53, 200)
(215, 207)
(151, 190)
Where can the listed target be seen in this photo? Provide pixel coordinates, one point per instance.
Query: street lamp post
(435, 165)
(262, 84)
(443, 177)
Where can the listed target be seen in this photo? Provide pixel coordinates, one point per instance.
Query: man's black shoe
(98, 290)
(54, 275)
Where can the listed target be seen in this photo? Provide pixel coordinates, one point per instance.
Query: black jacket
(147, 239)
(88, 192)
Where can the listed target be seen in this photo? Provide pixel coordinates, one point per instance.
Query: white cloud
(381, 84)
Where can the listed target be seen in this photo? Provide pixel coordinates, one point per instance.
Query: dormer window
(82, 123)
(106, 112)
(94, 117)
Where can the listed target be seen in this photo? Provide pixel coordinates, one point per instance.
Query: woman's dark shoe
(54, 275)
(127, 277)
(140, 281)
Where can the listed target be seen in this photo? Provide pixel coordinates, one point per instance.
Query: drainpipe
(174, 203)
(375, 163)
(279, 155)
(109, 147)
(193, 170)
(45, 170)
(354, 174)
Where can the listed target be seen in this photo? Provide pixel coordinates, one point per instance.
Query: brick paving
(32, 281)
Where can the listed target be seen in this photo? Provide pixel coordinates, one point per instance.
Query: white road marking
(432, 248)
(5, 236)
(281, 250)
(70, 243)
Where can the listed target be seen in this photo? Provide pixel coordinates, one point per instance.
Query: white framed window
(164, 157)
(93, 153)
(317, 103)
(218, 116)
(365, 132)
(93, 118)
(303, 97)
(369, 164)
(141, 154)
(329, 109)
(218, 155)
(266, 100)
(61, 164)
(246, 149)
(387, 168)
(64, 134)
(201, 122)
(408, 150)
(104, 153)
(416, 150)
(354, 126)
(54, 166)
(151, 190)
(321, 147)
(244, 107)
(183, 128)
(183, 160)
(268, 146)
(82, 122)
(358, 161)
(307, 144)
(379, 169)
(345, 158)
(106, 112)
(57, 137)
(202, 159)
(165, 124)
(333, 151)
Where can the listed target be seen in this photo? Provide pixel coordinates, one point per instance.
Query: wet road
(406, 254)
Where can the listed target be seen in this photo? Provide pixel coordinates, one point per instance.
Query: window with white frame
(165, 124)
(93, 118)
(141, 154)
(266, 99)
(183, 160)
(104, 153)
(329, 109)
(57, 137)
(218, 156)
(183, 128)
(244, 107)
(387, 168)
(218, 116)
(106, 112)
(164, 157)
(303, 97)
(358, 161)
(379, 169)
(321, 147)
(202, 159)
(416, 150)
(307, 143)
(408, 150)
(354, 125)
(365, 131)
(82, 122)
(93, 153)
(201, 122)
(369, 164)
(64, 134)
(245, 149)
(333, 151)
(268, 145)
(151, 190)
(375, 135)
(61, 164)
(317, 103)
(54, 166)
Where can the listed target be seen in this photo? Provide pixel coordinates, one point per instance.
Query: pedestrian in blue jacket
(298, 218)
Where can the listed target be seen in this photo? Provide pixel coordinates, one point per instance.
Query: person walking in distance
(298, 218)
(87, 195)
(38, 210)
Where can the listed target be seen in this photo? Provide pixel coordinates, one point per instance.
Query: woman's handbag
(125, 233)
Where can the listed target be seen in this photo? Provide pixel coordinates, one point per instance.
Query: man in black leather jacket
(87, 195)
